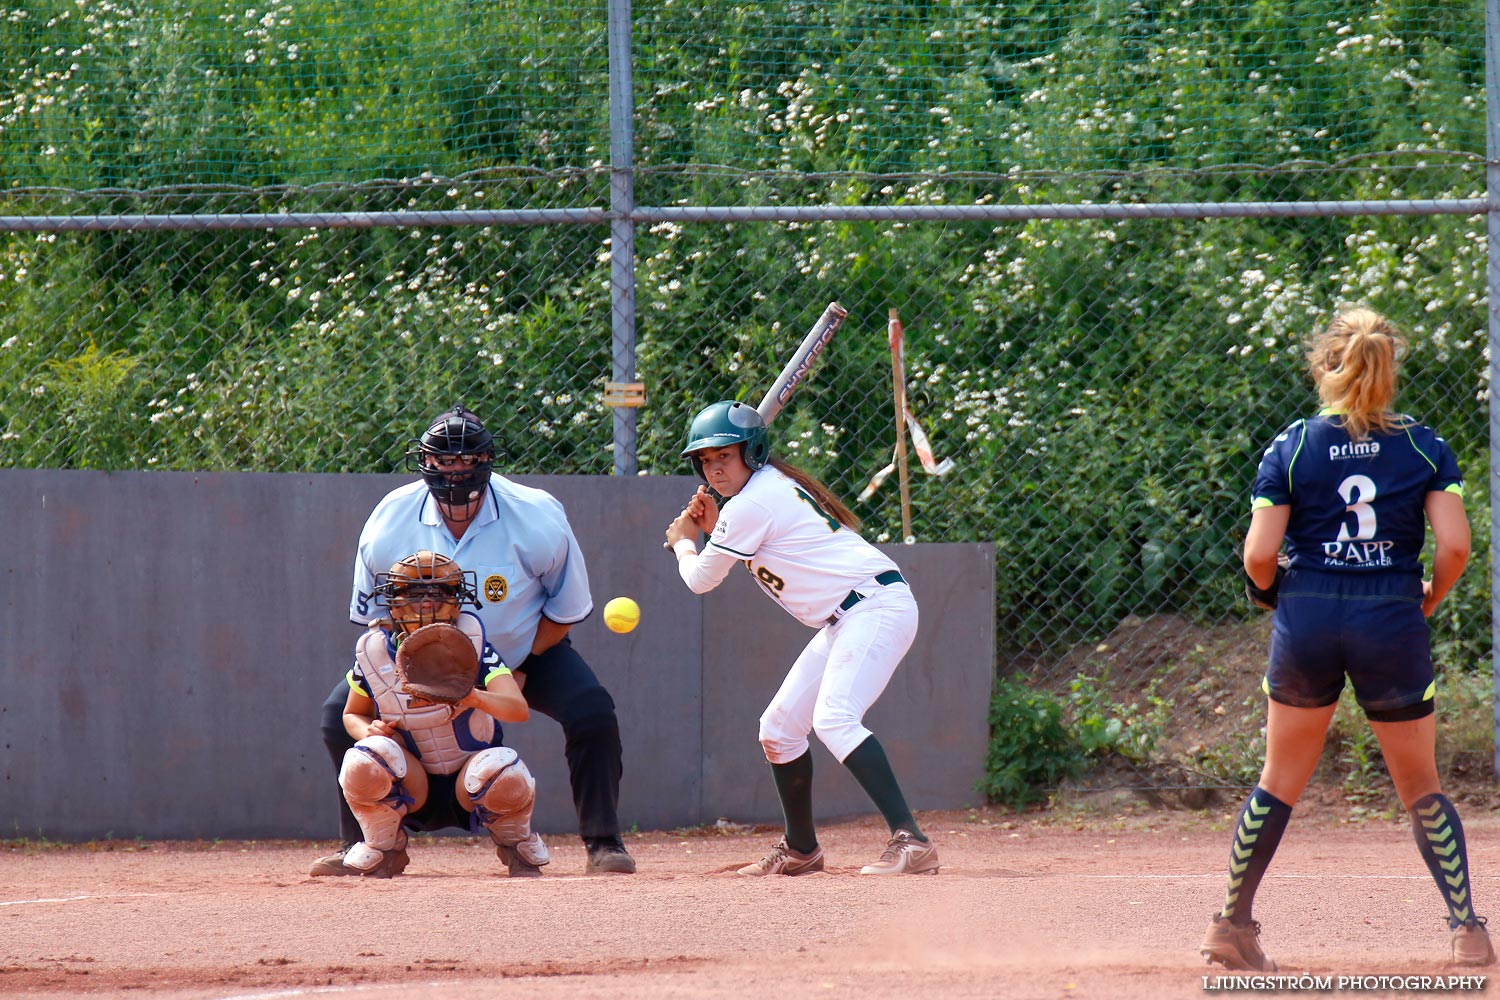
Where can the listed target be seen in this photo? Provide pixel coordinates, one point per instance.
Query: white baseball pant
(839, 675)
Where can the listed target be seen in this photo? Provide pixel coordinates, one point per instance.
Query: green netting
(1103, 387)
(165, 92)
(995, 87)
(218, 350)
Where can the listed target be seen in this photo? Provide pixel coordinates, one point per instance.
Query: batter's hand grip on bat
(792, 376)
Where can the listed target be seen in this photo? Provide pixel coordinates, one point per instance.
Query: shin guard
(504, 793)
(371, 779)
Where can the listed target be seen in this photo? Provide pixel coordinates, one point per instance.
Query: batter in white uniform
(801, 544)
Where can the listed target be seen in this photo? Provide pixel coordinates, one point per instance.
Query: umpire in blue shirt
(533, 587)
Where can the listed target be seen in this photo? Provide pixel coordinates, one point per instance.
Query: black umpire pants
(561, 686)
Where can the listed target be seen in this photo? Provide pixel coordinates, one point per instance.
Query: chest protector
(441, 737)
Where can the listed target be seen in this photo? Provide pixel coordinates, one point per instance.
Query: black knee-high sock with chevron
(1257, 833)
(1440, 838)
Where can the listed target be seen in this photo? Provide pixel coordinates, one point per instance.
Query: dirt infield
(1035, 906)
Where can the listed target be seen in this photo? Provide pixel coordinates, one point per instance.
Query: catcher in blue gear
(427, 751)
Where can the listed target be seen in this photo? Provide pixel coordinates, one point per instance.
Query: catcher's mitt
(437, 663)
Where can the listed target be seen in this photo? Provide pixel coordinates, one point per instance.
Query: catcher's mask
(725, 423)
(425, 588)
(454, 455)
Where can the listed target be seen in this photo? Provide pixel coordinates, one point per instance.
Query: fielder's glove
(1266, 598)
(437, 663)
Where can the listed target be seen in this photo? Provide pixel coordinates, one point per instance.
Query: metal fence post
(1492, 225)
(622, 229)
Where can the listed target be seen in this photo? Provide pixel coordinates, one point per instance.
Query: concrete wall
(169, 637)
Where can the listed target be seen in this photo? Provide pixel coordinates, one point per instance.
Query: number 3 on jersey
(833, 522)
(1358, 492)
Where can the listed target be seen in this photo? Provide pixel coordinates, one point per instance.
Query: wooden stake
(898, 386)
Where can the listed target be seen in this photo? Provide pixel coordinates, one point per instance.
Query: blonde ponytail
(1354, 364)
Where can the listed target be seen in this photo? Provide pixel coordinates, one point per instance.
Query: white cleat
(904, 854)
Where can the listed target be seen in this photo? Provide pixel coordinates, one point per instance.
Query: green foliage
(1102, 726)
(1038, 740)
(1104, 387)
(1235, 759)
(85, 394)
(162, 92)
(896, 88)
(136, 95)
(1356, 754)
(1465, 715)
(1031, 748)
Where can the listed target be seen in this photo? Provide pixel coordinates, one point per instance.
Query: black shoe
(362, 861)
(607, 855)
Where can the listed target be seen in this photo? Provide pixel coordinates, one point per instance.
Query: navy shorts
(441, 810)
(1370, 628)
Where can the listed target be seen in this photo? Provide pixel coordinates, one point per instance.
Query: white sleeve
(742, 525)
(705, 570)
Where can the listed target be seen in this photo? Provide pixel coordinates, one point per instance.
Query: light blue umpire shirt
(520, 547)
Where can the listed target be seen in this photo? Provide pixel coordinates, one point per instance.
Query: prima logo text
(1353, 449)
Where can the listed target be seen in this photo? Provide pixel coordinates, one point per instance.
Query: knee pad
(371, 780)
(372, 767)
(503, 792)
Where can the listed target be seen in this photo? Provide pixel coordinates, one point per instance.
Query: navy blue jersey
(1357, 506)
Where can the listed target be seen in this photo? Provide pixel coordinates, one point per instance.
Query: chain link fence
(280, 238)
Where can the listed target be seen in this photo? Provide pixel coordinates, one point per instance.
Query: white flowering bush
(1104, 388)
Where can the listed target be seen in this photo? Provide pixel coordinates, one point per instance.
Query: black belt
(885, 579)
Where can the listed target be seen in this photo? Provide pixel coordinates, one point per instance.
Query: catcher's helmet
(455, 433)
(728, 422)
(424, 588)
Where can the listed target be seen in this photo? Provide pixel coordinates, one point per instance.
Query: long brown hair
(1354, 364)
(820, 493)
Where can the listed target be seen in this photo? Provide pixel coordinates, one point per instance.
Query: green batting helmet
(725, 423)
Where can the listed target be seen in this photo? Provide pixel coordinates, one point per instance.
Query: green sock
(794, 789)
(872, 769)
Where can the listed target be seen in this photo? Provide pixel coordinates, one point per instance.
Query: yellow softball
(622, 614)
